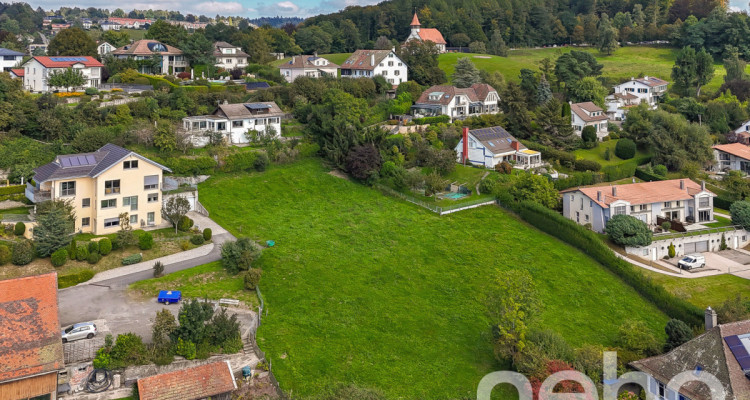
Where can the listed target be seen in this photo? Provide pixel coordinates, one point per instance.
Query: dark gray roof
(496, 139)
(8, 52)
(257, 85)
(85, 164)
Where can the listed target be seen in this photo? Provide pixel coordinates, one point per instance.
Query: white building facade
(491, 146)
(38, 69)
(648, 89)
(589, 114)
(236, 123)
(371, 63)
(10, 59)
(309, 66)
(229, 56)
(457, 103)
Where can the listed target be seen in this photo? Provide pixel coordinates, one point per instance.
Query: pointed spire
(415, 20)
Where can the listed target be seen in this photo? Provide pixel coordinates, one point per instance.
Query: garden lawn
(365, 289)
(597, 154)
(703, 292)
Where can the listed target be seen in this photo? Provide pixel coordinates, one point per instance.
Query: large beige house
(102, 185)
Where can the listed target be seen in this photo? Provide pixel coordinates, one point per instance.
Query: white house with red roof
(457, 103)
(589, 114)
(648, 89)
(732, 157)
(309, 66)
(38, 69)
(370, 63)
(426, 34)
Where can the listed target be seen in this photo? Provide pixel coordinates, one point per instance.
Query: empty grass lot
(704, 292)
(365, 289)
(597, 154)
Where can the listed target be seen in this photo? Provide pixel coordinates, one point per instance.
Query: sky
(245, 8)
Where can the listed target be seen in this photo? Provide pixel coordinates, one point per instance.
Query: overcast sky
(247, 8)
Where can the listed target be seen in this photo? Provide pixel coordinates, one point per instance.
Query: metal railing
(697, 232)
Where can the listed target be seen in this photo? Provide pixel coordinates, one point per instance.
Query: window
(134, 219)
(390, 63)
(150, 218)
(131, 201)
(703, 202)
(221, 126)
(619, 210)
(586, 217)
(86, 203)
(153, 197)
(110, 203)
(68, 188)
(237, 124)
(112, 187)
(110, 222)
(85, 221)
(130, 164)
(667, 204)
(150, 182)
(677, 203)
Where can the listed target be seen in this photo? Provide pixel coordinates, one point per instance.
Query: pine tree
(53, 231)
(543, 91)
(497, 44)
(607, 36)
(466, 74)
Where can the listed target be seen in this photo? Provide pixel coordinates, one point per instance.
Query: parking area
(85, 349)
(733, 262)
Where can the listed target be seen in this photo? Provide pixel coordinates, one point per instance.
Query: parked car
(691, 261)
(84, 330)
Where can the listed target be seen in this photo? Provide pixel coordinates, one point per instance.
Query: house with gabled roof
(102, 185)
(457, 103)
(236, 123)
(309, 66)
(10, 59)
(229, 56)
(170, 60)
(31, 350)
(426, 34)
(732, 157)
(648, 89)
(491, 146)
(370, 63)
(39, 68)
(618, 105)
(213, 381)
(589, 114)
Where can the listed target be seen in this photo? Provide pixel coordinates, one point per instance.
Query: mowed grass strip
(365, 289)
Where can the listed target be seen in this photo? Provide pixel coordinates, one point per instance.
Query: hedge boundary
(73, 279)
(647, 176)
(12, 189)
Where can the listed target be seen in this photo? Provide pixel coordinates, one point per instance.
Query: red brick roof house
(38, 68)
(172, 59)
(426, 34)
(31, 351)
(214, 381)
(457, 103)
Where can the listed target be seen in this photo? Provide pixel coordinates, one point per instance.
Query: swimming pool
(454, 196)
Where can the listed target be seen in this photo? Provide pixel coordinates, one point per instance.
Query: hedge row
(723, 202)
(621, 171)
(579, 179)
(191, 166)
(588, 242)
(73, 279)
(647, 176)
(432, 120)
(239, 161)
(13, 189)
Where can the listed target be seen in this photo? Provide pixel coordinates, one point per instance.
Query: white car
(691, 261)
(84, 330)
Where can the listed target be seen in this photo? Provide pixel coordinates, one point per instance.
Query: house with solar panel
(723, 352)
(101, 186)
(491, 146)
(38, 69)
(170, 60)
(236, 123)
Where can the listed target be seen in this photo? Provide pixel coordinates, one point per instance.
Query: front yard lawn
(366, 289)
(597, 154)
(720, 221)
(704, 292)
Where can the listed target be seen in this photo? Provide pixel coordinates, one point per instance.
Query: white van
(691, 261)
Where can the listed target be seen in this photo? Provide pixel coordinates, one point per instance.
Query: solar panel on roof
(65, 162)
(256, 106)
(67, 59)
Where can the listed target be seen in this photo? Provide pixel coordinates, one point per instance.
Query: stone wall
(659, 248)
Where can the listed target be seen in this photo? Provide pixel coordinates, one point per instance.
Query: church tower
(415, 25)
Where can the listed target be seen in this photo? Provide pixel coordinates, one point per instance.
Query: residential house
(618, 105)
(732, 157)
(722, 351)
(86, 23)
(426, 34)
(104, 48)
(47, 20)
(236, 123)
(16, 73)
(31, 347)
(38, 69)
(680, 200)
(589, 114)
(492, 146)
(33, 46)
(741, 134)
(58, 27)
(101, 186)
(169, 60)
(213, 381)
(11, 59)
(132, 23)
(110, 26)
(229, 56)
(189, 25)
(648, 89)
(457, 103)
(310, 66)
(370, 63)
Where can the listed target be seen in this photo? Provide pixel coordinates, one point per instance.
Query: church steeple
(415, 21)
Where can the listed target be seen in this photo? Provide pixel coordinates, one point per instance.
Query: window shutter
(151, 180)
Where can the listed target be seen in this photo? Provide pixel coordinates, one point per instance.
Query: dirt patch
(36, 267)
(482, 57)
(338, 174)
(258, 387)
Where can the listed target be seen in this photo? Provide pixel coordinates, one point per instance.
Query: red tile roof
(19, 72)
(735, 149)
(189, 384)
(67, 62)
(431, 34)
(415, 20)
(363, 59)
(580, 109)
(30, 340)
(641, 193)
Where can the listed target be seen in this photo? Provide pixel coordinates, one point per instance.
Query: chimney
(293, 58)
(598, 195)
(632, 78)
(645, 77)
(682, 184)
(514, 144)
(703, 185)
(372, 59)
(465, 154)
(315, 54)
(614, 191)
(710, 318)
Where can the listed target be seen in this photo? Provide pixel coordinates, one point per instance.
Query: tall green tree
(553, 127)
(422, 59)
(529, 86)
(55, 226)
(576, 65)
(512, 304)
(336, 124)
(497, 44)
(692, 69)
(734, 65)
(513, 104)
(67, 78)
(607, 36)
(166, 33)
(466, 74)
(198, 49)
(313, 39)
(588, 89)
(72, 42)
(543, 92)
(116, 38)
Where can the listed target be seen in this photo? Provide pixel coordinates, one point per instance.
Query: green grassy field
(703, 292)
(366, 289)
(597, 154)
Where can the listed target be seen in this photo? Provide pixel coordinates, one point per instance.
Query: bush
(6, 255)
(432, 120)
(73, 250)
(586, 165)
(59, 257)
(627, 230)
(617, 172)
(91, 91)
(105, 246)
(678, 333)
(93, 247)
(128, 350)
(240, 161)
(82, 253)
(239, 255)
(23, 252)
(740, 212)
(251, 278)
(185, 348)
(93, 258)
(185, 245)
(666, 225)
(589, 134)
(146, 241)
(504, 168)
(132, 259)
(207, 234)
(185, 223)
(671, 250)
(261, 162)
(73, 279)
(158, 269)
(102, 359)
(648, 176)
(197, 240)
(660, 170)
(625, 149)
(19, 229)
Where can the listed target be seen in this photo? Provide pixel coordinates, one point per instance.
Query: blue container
(246, 371)
(270, 243)
(169, 296)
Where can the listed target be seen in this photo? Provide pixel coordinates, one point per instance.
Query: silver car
(84, 330)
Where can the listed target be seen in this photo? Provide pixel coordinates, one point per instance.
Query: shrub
(261, 162)
(251, 278)
(75, 278)
(185, 348)
(660, 170)
(671, 251)
(91, 91)
(93, 258)
(132, 259)
(73, 250)
(678, 333)
(158, 269)
(23, 252)
(586, 165)
(5, 254)
(128, 350)
(627, 230)
(635, 336)
(589, 134)
(647, 176)
(666, 226)
(93, 247)
(82, 253)
(59, 257)
(207, 234)
(625, 149)
(105, 246)
(504, 168)
(197, 240)
(185, 245)
(239, 255)
(185, 223)
(740, 213)
(19, 229)
(146, 241)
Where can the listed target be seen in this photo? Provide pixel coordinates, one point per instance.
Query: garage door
(696, 247)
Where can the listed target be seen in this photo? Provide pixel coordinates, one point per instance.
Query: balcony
(36, 195)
